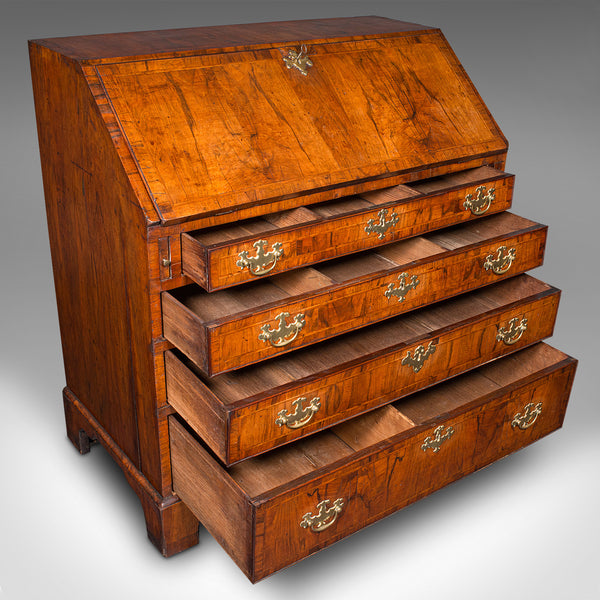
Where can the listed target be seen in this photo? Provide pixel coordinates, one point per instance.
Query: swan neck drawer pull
(514, 331)
(382, 226)
(285, 333)
(325, 517)
(403, 287)
(421, 354)
(263, 262)
(298, 59)
(501, 264)
(528, 417)
(482, 201)
(301, 415)
(438, 439)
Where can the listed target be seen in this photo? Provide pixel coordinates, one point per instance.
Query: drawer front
(232, 255)
(402, 474)
(321, 399)
(250, 336)
(296, 518)
(464, 443)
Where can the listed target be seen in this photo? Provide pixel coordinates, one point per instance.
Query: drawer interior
(230, 329)
(229, 304)
(215, 237)
(252, 410)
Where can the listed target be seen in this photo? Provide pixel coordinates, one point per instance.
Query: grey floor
(527, 527)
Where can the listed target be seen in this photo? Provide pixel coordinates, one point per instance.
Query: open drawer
(230, 329)
(270, 511)
(253, 410)
(221, 257)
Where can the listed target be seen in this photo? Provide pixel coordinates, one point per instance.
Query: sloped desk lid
(214, 132)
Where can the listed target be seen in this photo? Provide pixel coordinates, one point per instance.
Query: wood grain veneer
(243, 129)
(113, 47)
(102, 282)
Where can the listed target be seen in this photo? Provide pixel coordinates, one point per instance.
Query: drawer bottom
(270, 511)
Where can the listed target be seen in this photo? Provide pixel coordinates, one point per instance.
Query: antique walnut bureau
(291, 298)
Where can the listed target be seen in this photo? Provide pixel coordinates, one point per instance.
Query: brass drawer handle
(301, 415)
(528, 417)
(297, 59)
(285, 333)
(482, 201)
(263, 262)
(403, 287)
(420, 356)
(502, 262)
(325, 517)
(438, 439)
(513, 333)
(382, 226)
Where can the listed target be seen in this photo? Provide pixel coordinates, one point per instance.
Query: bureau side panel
(98, 243)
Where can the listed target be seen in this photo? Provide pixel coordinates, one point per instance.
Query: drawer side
(218, 503)
(196, 404)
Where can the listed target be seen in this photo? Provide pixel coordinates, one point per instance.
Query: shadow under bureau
(291, 295)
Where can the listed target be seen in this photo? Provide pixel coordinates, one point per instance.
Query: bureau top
(212, 121)
(137, 45)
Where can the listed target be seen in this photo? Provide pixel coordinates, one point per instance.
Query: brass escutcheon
(325, 516)
(285, 333)
(382, 226)
(420, 356)
(297, 59)
(438, 439)
(513, 333)
(528, 417)
(482, 201)
(403, 287)
(502, 262)
(263, 262)
(301, 415)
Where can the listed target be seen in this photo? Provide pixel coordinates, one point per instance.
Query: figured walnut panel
(242, 129)
(97, 236)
